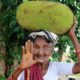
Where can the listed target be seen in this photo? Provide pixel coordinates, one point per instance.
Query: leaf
(1, 4)
(72, 1)
(2, 78)
(2, 57)
(8, 4)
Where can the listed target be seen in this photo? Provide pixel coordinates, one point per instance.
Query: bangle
(78, 52)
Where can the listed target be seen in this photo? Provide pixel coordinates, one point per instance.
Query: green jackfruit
(51, 16)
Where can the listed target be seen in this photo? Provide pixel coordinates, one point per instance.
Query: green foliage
(0, 4)
(1, 57)
(2, 78)
(13, 35)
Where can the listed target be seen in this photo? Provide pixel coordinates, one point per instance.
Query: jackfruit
(52, 16)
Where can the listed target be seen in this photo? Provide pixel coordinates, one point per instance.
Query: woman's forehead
(41, 40)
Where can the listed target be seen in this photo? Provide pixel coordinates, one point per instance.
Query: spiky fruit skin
(51, 16)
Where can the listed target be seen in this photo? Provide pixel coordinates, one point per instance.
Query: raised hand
(27, 56)
(72, 30)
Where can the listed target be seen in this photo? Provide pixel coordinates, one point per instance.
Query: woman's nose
(41, 52)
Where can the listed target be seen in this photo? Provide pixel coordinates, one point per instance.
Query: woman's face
(41, 49)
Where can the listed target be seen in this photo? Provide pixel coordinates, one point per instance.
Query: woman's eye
(47, 47)
(36, 47)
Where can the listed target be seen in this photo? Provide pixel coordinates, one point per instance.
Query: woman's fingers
(74, 26)
(31, 47)
(72, 30)
(27, 47)
(74, 22)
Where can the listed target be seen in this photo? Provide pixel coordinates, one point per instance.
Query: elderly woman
(35, 64)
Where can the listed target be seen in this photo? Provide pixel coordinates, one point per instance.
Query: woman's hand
(27, 56)
(72, 30)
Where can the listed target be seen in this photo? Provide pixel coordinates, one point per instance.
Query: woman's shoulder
(61, 64)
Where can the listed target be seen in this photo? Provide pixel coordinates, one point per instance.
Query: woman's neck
(44, 67)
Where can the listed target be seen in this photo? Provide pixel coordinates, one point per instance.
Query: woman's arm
(74, 39)
(76, 68)
(15, 75)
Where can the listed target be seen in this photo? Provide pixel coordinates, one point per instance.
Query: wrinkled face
(41, 49)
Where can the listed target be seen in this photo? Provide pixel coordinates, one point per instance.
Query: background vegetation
(12, 35)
